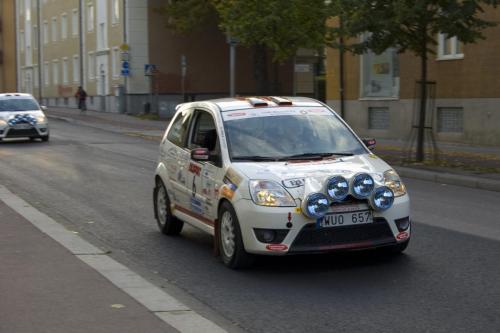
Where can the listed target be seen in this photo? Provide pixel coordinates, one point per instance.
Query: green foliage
(282, 26)
(408, 24)
(185, 16)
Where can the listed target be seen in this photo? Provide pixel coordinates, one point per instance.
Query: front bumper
(37, 131)
(303, 236)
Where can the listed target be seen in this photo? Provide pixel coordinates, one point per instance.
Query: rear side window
(178, 131)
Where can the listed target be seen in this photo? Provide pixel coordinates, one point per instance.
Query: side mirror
(200, 154)
(43, 107)
(370, 143)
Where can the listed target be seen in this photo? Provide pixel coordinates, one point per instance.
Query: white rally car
(22, 117)
(276, 176)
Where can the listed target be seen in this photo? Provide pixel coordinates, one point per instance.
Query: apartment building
(381, 97)
(100, 45)
(8, 79)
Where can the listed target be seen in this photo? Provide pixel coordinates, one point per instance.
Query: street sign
(125, 65)
(149, 69)
(124, 56)
(124, 47)
(125, 72)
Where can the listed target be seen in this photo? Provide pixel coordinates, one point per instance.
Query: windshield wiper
(255, 158)
(316, 156)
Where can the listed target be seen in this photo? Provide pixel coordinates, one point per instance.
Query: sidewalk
(44, 288)
(464, 165)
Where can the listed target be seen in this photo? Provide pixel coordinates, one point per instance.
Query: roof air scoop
(280, 100)
(257, 101)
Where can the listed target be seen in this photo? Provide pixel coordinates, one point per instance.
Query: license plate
(22, 126)
(343, 219)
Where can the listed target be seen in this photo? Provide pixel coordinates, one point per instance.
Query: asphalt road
(99, 184)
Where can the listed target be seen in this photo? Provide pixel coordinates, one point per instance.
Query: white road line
(156, 300)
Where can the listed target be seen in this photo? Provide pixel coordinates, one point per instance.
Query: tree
(278, 27)
(409, 25)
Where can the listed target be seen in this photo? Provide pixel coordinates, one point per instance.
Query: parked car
(276, 176)
(22, 117)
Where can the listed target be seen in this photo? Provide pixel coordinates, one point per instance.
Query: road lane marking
(163, 305)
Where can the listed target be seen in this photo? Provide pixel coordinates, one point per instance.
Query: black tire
(238, 258)
(45, 138)
(167, 223)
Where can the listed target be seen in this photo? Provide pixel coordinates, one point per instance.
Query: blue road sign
(125, 72)
(125, 65)
(149, 69)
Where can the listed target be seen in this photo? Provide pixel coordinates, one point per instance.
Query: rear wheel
(231, 246)
(168, 224)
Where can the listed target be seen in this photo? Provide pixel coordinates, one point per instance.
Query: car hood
(6, 115)
(303, 177)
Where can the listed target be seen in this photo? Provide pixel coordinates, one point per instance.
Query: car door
(176, 155)
(205, 177)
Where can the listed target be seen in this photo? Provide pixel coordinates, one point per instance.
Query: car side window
(178, 131)
(204, 135)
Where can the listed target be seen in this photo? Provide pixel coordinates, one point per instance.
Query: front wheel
(231, 246)
(397, 248)
(168, 223)
(45, 138)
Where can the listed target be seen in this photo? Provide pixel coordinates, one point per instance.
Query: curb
(450, 179)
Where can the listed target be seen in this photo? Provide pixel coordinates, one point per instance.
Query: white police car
(22, 117)
(276, 176)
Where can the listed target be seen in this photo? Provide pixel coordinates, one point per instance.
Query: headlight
(315, 205)
(3, 123)
(382, 198)
(41, 119)
(392, 180)
(337, 188)
(362, 185)
(270, 193)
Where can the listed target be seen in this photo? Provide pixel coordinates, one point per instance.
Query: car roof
(15, 95)
(240, 103)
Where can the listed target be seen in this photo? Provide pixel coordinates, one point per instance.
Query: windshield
(20, 104)
(282, 133)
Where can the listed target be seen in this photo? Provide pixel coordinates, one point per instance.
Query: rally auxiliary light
(316, 205)
(382, 198)
(337, 188)
(362, 185)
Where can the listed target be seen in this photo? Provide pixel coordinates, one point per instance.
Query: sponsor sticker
(193, 168)
(293, 183)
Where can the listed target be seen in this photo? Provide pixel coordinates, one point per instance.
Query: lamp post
(232, 41)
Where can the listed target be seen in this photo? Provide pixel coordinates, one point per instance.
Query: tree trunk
(260, 70)
(423, 104)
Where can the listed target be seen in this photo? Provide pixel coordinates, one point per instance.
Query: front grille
(21, 133)
(313, 239)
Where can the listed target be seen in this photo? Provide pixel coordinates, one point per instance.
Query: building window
(116, 62)
(90, 17)
(55, 72)
(102, 42)
(74, 22)
(45, 32)
(22, 41)
(46, 77)
(54, 29)
(380, 74)
(450, 119)
(378, 118)
(449, 47)
(76, 69)
(36, 77)
(65, 70)
(115, 11)
(64, 26)
(91, 65)
(35, 37)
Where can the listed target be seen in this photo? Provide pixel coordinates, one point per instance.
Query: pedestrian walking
(81, 97)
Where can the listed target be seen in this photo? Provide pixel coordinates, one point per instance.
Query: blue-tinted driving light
(337, 188)
(382, 198)
(362, 185)
(316, 205)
